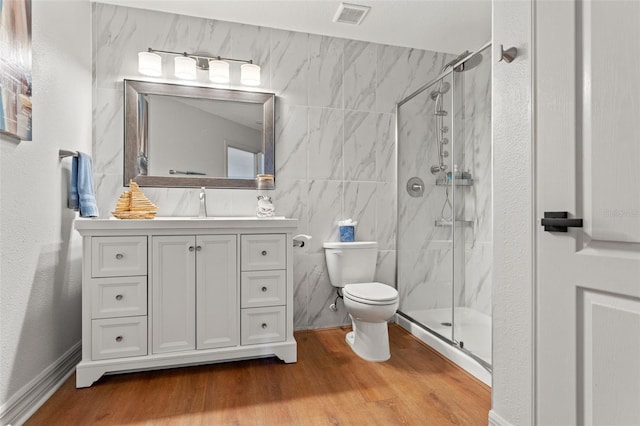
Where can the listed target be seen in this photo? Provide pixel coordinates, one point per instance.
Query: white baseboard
(27, 400)
(496, 420)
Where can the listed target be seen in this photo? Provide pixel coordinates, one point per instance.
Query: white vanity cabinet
(180, 291)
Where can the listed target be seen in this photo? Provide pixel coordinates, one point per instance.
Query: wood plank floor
(329, 385)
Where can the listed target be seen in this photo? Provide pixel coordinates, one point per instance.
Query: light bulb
(185, 67)
(218, 71)
(149, 63)
(250, 74)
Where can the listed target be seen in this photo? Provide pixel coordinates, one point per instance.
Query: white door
(217, 304)
(587, 131)
(173, 283)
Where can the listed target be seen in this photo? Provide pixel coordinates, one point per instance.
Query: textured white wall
(40, 252)
(513, 217)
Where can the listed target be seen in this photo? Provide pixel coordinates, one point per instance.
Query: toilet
(352, 267)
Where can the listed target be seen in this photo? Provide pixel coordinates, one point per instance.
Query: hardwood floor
(329, 385)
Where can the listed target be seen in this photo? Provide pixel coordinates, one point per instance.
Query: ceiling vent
(351, 13)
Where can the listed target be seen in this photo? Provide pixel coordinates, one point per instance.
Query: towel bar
(63, 153)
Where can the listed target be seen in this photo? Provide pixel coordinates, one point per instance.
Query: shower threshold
(474, 357)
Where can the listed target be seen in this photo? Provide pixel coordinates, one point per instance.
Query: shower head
(441, 90)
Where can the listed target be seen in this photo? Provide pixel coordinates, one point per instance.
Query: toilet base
(369, 340)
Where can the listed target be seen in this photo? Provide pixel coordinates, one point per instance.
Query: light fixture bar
(187, 64)
(200, 56)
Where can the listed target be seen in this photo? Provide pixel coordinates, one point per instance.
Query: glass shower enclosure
(444, 240)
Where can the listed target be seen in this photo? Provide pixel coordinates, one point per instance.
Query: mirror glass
(186, 136)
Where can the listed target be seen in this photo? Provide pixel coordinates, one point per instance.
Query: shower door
(444, 250)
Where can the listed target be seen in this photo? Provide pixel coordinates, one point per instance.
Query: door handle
(559, 222)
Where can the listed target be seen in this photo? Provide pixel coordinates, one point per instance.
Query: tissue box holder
(347, 233)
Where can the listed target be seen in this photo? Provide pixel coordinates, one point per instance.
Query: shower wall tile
(302, 272)
(326, 135)
(290, 66)
(120, 34)
(326, 71)
(321, 295)
(292, 126)
(386, 267)
(109, 128)
(360, 205)
(401, 71)
(291, 199)
(209, 37)
(360, 80)
(360, 140)
(243, 203)
(335, 144)
(325, 210)
(386, 148)
(386, 212)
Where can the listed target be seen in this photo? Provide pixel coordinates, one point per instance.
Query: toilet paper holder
(301, 240)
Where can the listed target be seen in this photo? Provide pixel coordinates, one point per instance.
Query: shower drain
(446, 324)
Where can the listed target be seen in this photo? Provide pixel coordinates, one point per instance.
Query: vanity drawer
(118, 297)
(118, 337)
(262, 325)
(263, 288)
(118, 256)
(263, 251)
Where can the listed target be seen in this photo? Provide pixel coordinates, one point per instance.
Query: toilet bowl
(369, 304)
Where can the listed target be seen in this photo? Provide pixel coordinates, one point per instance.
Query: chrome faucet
(203, 203)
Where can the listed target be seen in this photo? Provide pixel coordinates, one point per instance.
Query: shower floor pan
(471, 327)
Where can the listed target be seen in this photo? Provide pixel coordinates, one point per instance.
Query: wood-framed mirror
(191, 136)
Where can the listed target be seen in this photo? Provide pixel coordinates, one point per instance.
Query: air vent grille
(350, 13)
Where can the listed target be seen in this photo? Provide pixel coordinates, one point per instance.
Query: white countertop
(176, 222)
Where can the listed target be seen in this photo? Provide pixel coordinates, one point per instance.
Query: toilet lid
(372, 293)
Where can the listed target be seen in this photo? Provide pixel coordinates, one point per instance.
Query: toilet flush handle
(337, 252)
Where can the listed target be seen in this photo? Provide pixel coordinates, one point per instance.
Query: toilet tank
(350, 263)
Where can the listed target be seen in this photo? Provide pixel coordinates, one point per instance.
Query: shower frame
(452, 342)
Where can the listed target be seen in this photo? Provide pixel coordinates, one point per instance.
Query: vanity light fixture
(187, 64)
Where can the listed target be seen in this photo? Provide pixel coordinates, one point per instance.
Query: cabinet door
(174, 293)
(217, 291)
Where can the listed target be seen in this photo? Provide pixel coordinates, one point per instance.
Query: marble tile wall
(335, 130)
(431, 272)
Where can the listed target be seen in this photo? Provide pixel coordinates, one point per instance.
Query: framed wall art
(15, 68)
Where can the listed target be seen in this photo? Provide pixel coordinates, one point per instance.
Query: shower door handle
(559, 222)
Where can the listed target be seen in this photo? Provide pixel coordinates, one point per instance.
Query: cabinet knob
(119, 339)
(119, 297)
(198, 248)
(264, 325)
(264, 289)
(119, 256)
(191, 248)
(264, 252)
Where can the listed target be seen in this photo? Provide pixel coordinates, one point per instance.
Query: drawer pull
(119, 297)
(264, 325)
(191, 248)
(264, 252)
(119, 256)
(119, 339)
(264, 289)
(198, 248)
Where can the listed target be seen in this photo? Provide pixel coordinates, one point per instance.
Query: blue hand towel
(73, 202)
(86, 195)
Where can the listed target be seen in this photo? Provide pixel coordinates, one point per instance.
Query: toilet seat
(371, 293)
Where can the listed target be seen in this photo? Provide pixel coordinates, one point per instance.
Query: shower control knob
(444, 141)
(444, 129)
(445, 154)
